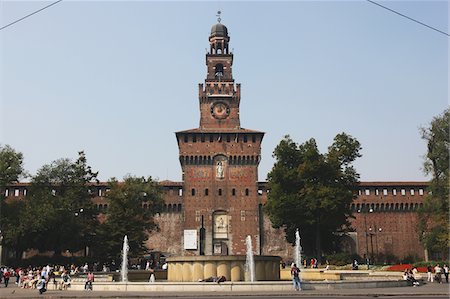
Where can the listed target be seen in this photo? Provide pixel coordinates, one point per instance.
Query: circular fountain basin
(197, 268)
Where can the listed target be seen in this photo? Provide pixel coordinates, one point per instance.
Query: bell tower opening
(218, 71)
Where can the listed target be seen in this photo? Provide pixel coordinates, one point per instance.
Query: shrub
(341, 258)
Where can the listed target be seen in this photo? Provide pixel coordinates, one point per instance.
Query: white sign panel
(190, 239)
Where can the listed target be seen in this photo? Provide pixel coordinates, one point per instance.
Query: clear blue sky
(117, 79)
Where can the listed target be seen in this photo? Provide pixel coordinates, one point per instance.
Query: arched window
(218, 71)
(193, 192)
(233, 192)
(220, 192)
(179, 207)
(382, 206)
(247, 192)
(105, 206)
(145, 206)
(206, 192)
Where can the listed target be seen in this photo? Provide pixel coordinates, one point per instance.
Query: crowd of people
(41, 278)
(435, 273)
(59, 277)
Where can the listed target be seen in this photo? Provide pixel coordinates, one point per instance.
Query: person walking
(438, 272)
(6, 276)
(429, 273)
(446, 273)
(295, 272)
(89, 281)
(41, 285)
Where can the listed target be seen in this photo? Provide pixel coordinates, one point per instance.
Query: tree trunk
(318, 242)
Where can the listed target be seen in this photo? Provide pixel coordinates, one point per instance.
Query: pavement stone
(431, 289)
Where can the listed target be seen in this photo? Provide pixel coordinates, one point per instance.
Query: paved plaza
(425, 291)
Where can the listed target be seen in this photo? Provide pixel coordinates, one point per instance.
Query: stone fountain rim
(221, 258)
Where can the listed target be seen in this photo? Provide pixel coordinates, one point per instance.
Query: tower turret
(220, 162)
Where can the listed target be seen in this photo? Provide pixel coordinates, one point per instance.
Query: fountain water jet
(250, 263)
(124, 268)
(298, 251)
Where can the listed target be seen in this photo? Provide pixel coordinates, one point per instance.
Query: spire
(218, 16)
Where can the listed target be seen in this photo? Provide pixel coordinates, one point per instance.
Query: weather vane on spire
(218, 16)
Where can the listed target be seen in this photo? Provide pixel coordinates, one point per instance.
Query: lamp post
(202, 237)
(371, 233)
(377, 231)
(364, 210)
(81, 214)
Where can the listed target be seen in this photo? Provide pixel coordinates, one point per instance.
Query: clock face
(220, 110)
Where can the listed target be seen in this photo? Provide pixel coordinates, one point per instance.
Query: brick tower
(220, 164)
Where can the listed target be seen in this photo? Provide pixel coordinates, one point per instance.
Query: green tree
(59, 214)
(126, 215)
(11, 166)
(312, 192)
(434, 216)
(11, 170)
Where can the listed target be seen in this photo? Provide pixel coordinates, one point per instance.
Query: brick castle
(220, 200)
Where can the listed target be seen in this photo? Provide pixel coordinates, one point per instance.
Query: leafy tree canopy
(58, 214)
(11, 166)
(131, 207)
(434, 216)
(311, 191)
(11, 170)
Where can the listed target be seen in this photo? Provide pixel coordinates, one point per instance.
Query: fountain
(298, 250)
(250, 263)
(247, 267)
(124, 268)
